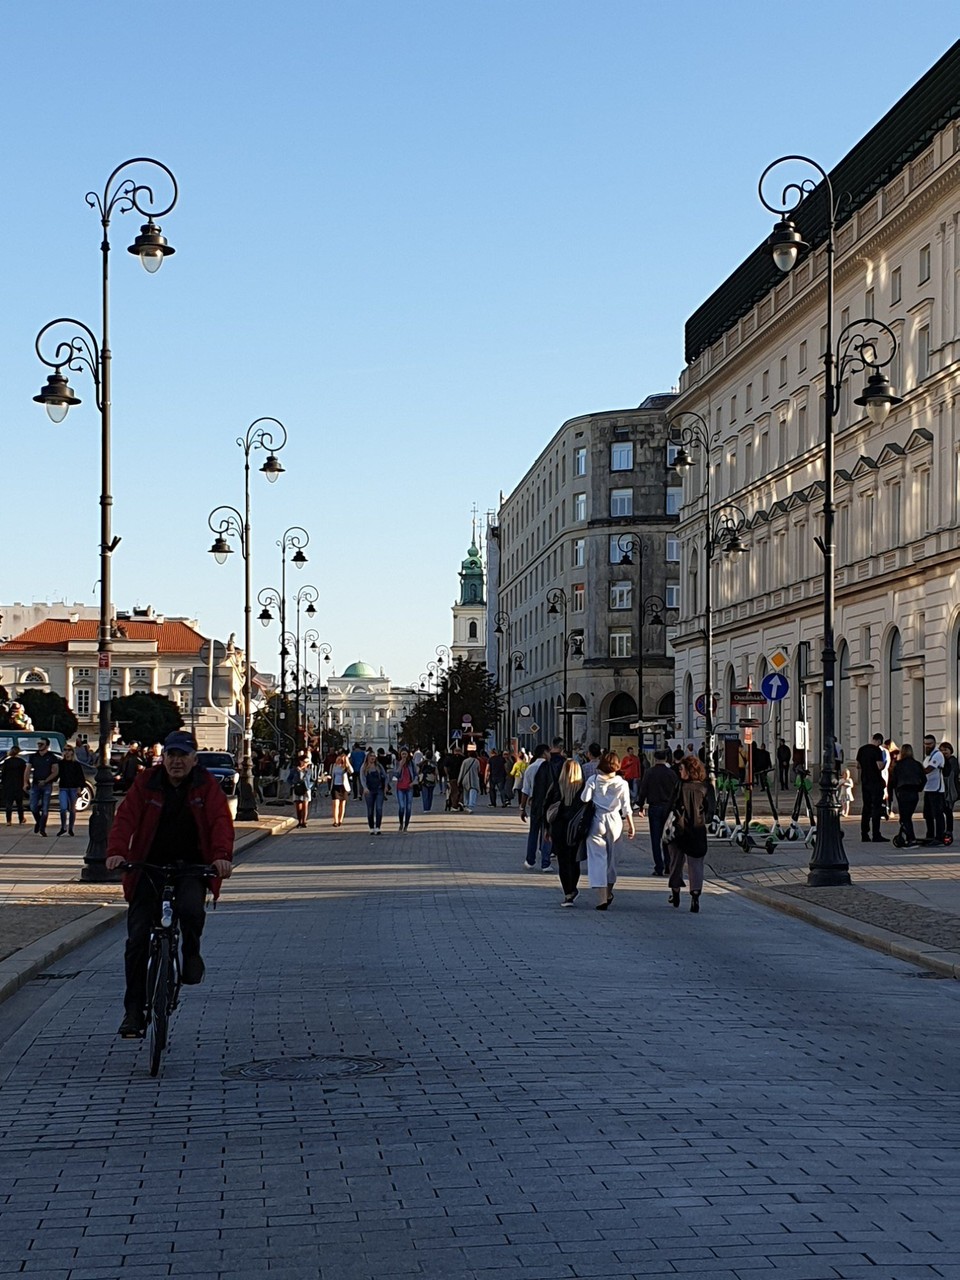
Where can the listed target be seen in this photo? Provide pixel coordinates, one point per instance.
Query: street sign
(524, 710)
(534, 728)
(780, 659)
(701, 704)
(219, 652)
(775, 687)
(103, 677)
(747, 698)
(456, 735)
(467, 720)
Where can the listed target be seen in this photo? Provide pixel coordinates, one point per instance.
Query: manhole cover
(313, 1067)
(56, 977)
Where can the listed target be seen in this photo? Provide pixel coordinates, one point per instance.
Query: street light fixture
(311, 595)
(856, 351)
(502, 629)
(558, 602)
(81, 351)
(296, 538)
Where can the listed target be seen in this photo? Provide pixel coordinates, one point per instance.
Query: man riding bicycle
(177, 813)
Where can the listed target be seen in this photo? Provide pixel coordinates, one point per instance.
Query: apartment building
(755, 373)
(601, 486)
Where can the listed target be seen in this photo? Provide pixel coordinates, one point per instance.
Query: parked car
(27, 742)
(223, 767)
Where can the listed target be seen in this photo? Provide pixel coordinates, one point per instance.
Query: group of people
(34, 776)
(577, 812)
(892, 779)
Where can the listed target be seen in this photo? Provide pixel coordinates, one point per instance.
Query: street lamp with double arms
(77, 352)
(558, 602)
(650, 611)
(269, 436)
(297, 538)
(856, 351)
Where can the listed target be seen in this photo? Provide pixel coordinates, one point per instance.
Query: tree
(145, 717)
(48, 711)
(270, 719)
(473, 692)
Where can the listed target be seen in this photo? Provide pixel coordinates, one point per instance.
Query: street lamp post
(323, 652)
(82, 351)
(502, 628)
(311, 595)
(558, 601)
(445, 662)
(297, 538)
(227, 521)
(515, 663)
(856, 351)
(650, 611)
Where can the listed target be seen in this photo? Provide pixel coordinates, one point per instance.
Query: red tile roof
(56, 633)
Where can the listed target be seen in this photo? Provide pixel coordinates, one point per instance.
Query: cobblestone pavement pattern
(641, 1092)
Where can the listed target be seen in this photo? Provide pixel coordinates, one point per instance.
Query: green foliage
(473, 691)
(145, 717)
(48, 711)
(274, 722)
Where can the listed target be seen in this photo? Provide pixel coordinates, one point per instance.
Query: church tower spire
(469, 613)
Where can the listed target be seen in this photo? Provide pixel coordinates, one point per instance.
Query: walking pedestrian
(872, 785)
(656, 793)
(630, 772)
(356, 759)
(70, 779)
(784, 757)
(469, 782)
(907, 779)
(42, 774)
(592, 762)
(13, 773)
(300, 779)
(933, 814)
(428, 781)
(688, 842)
(951, 788)
(373, 781)
(341, 775)
(403, 776)
(846, 793)
(568, 858)
(611, 798)
(496, 778)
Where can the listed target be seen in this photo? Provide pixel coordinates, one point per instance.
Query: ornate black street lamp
(445, 663)
(502, 629)
(81, 351)
(295, 538)
(311, 595)
(856, 351)
(268, 435)
(558, 602)
(323, 652)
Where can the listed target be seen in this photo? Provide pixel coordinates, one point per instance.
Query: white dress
(611, 798)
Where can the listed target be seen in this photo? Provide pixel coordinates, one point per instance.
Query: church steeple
(469, 613)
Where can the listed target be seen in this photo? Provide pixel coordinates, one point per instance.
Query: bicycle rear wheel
(159, 1000)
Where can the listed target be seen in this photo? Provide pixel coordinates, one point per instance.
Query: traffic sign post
(747, 698)
(775, 687)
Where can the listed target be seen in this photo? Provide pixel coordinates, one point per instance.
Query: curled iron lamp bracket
(79, 352)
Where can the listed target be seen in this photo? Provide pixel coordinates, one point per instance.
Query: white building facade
(363, 705)
(755, 374)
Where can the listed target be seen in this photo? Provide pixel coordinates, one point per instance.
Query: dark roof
(906, 129)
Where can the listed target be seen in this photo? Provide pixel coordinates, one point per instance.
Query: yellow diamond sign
(780, 660)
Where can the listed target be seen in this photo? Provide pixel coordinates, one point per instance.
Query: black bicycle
(164, 979)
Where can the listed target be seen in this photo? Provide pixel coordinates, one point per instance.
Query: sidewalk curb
(945, 964)
(24, 965)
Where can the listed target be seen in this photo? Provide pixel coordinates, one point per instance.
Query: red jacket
(630, 768)
(136, 821)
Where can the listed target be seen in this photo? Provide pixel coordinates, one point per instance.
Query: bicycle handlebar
(173, 869)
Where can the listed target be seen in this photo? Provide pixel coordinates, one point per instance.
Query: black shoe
(881, 839)
(865, 839)
(694, 902)
(193, 970)
(131, 1028)
(675, 897)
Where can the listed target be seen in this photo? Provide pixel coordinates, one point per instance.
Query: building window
(580, 462)
(577, 597)
(673, 550)
(579, 553)
(579, 506)
(924, 273)
(923, 352)
(869, 304)
(621, 456)
(748, 397)
(620, 646)
(621, 595)
(672, 595)
(141, 673)
(83, 703)
(895, 514)
(82, 673)
(183, 698)
(473, 631)
(765, 384)
(783, 371)
(672, 450)
(674, 501)
(896, 285)
(802, 358)
(621, 502)
(733, 408)
(616, 551)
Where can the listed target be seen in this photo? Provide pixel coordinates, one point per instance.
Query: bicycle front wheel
(159, 1000)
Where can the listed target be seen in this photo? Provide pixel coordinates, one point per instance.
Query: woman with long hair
(300, 779)
(691, 813)
(570, 783)
(373, 780)
(403, 777)
(340, 776)
(611, 798)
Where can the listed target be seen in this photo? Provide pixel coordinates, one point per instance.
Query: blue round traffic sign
(774, 686)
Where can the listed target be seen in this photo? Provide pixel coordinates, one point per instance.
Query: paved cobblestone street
(500, 1088)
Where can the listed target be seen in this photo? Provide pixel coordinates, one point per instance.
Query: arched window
(693, 585)
(473, 631)
(895, 687)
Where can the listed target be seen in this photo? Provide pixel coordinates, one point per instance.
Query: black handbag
(578, 828)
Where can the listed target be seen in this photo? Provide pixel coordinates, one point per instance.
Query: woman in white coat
(611, 798)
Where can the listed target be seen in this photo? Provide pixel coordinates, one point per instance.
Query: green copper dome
(471, 577)
(360, 669)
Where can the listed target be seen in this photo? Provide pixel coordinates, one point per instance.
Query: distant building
(150, 654)
(602, 481)
(365, 707)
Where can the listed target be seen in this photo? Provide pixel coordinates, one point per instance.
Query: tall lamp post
(514, 663)
(323, 652)
(81, 351)
(501, 628)
(226, 522)
(558, 602)
(855, 351)
(296, 538)
(650, 611)
(311, 595)
(445, 663)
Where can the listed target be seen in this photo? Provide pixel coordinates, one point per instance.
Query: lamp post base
(94, 870)
(828, 865)
(247, 803)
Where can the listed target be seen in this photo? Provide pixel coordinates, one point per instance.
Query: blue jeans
(472, 798)
(404, 806)
(534, 843)
(40, 805)
(68, 806)
(426, 794)
(374, 801)
(657, 814)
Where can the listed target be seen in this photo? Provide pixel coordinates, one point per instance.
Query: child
(846, 792)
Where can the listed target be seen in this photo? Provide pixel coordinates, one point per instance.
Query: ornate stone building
(470, 611)
(365, 707)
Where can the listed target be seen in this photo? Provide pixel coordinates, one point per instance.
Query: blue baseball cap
(180, 740)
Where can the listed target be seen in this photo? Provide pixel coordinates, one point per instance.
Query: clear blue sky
(421, 234)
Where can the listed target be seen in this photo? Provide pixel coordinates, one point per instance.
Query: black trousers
(933, 814)
(142, 914)
(907, 799)
(568, 864)
(870, 817)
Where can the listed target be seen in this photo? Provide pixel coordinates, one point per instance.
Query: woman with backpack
(612, 808)
(690, 813)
